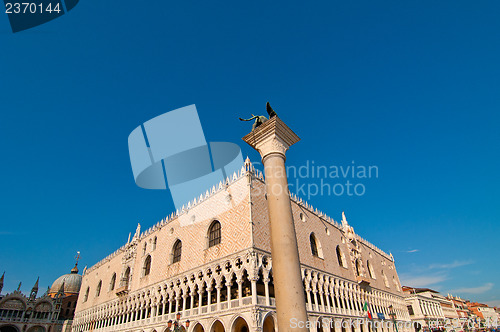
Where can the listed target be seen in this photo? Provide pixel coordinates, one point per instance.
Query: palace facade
(208, 268)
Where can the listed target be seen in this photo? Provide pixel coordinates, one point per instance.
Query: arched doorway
(217, 327)
(36, 329)
(198, 328)
(268, 325)
(8, 328)
(240, 325)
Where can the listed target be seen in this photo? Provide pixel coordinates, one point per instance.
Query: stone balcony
(362, 280)
(121, 291)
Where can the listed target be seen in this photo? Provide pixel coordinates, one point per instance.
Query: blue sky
(411, 87)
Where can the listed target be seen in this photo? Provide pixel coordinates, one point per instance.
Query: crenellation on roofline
(336, 224)
(222, 185)
(298, 200)
(246, 169)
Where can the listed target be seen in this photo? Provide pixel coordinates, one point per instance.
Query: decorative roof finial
(344, 220)
(77, 258)
(137, 231)
(248, 165)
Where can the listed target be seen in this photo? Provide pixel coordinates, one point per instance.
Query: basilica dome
(70, 283)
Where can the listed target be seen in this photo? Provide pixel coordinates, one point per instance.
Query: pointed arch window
(154, 243)
(177, 252)
(98, 290)
(147, 266)
(86, 297)
(386, 282)
(370, 270)
(126, 277)
(395, 282)
(214, 234)
(112, 282)
(358, 267)
(340, 257)
(314, 245)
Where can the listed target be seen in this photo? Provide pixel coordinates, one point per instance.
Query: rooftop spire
(137, 231)
(34, 290)
(36, 283)
(77, 258)
(344, 220)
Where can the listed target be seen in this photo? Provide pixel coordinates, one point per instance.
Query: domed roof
(68, 283)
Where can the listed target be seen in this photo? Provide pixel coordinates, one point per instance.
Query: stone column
(316, 301)
(344, 303)
(184, 297)
(272, 139)
(266, 287)
(309, 300)
(322, 300)
(328, 303)
(253, 281)
(209, 299)
(240, 291)
(218, 288)
(200, 298)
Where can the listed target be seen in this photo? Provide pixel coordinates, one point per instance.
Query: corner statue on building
(260, 119)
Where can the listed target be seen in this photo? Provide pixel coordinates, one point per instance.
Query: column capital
(273, 136)
(253, 278)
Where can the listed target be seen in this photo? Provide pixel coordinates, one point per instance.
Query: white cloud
(450, 265)
(421, 281)
(414, 250)
(475, 290)
(431, 275)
